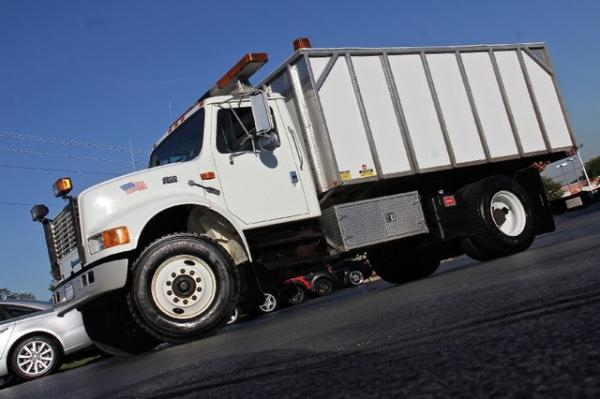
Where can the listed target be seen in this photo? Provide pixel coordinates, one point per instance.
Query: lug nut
(182, 271)
(173, 274)
(194, 297)
(199, 289)
(169, 283)
(192, 272)
(198, 279)
(185, 301)
(175, 299)
(169, 292)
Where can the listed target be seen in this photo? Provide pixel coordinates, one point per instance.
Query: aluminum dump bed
(368, 114)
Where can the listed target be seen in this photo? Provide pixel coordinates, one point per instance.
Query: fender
(136, 216)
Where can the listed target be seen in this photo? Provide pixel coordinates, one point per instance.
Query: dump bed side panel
(370, 114)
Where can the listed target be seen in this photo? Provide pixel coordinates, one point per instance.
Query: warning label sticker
(366, 172)
(345, 175)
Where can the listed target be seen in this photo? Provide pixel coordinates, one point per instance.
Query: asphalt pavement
(523, 326)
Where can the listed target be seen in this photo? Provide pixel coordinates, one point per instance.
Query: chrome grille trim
(64, 233)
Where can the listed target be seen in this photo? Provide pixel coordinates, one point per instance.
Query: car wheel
(35, 357)
(269, 304)
(355, 278)
(298, 296)
(323, 286)
(234, 316)
(397, 266)
(184, 286)
(500, 216)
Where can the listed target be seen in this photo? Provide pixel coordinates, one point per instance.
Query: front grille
(64, 233)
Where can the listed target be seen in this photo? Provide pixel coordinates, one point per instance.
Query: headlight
(108, 238)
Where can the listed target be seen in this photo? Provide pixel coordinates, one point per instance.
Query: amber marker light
(245, 67)
(207, 175)
(62, 187)
(116, 236)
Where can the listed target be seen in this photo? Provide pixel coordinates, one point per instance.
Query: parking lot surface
(522, 326)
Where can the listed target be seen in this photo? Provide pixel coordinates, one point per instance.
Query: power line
(67, 156)
(25, 204)
(90, 172)
(72, 143)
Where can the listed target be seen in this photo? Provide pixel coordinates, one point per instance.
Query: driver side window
(231, 137)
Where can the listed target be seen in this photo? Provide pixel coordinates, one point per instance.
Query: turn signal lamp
(62, 187)
(108, 239)
(245, 68)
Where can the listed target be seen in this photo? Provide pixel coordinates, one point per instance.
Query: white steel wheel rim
(356, 277)
(508, 213)
(269, 304)
(183, 287)
(35, 358)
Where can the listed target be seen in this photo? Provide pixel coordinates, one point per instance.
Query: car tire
(355, 278)
(298, 296)
(110, 326)
(270, 303)
(184, 287)
(394, 265)
(322, 286)
(500, 217)
(35, 357)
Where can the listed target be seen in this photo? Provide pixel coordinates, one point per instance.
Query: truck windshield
(184, 144)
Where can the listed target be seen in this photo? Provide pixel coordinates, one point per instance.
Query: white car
(34, 340)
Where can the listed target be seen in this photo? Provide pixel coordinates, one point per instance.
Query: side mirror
(261, 113)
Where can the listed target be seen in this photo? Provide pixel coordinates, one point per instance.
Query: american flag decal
(132, 187)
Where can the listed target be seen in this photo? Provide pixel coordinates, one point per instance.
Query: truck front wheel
(500, 216)
(396, 266)
(184, 286)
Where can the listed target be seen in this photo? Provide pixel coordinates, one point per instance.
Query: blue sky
(113, 71)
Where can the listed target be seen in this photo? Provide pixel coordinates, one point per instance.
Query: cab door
(258, 185)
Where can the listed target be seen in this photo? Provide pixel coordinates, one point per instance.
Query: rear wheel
(500, 216)
(355, 278)
(184, 286)
(323, 286)
(396, 266)
(35, 357)
(298, 295)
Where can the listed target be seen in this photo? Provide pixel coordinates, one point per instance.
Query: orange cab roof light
(301, 42)
(246, 67)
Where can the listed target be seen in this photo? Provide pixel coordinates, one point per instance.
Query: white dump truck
(412, 155)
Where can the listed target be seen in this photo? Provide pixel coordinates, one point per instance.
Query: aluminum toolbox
(370, 114)
(369, 222)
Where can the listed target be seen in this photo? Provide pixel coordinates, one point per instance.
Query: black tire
(298, 296)
(109, 324)
(396, 266)
(46, 357)
(184, 286)
(485, 221)
(355, 278)
(322, 286)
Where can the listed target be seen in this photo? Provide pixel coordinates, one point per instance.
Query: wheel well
(195, 219)
(29, 335)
